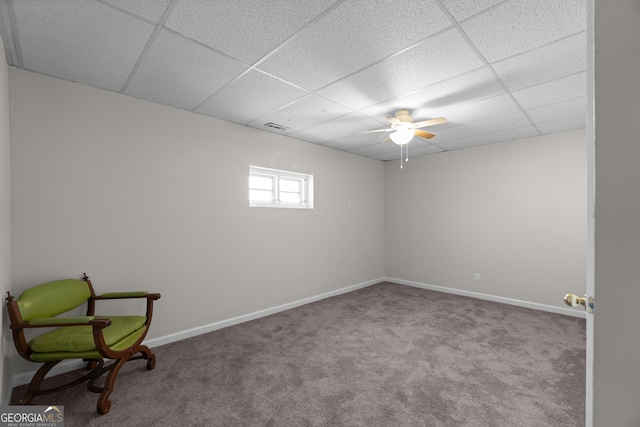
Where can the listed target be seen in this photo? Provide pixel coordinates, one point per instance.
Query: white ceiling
(326, 69)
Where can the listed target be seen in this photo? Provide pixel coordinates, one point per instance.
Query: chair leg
(96, 369)
(147, 354)
(34, 385)
(104, 404)
(92, 364)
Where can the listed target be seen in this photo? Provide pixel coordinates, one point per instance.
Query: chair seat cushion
(80, 338)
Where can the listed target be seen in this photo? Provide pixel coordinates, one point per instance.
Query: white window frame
(306, 188)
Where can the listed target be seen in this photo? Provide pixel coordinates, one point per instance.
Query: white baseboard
(255, 315)
(71, 365)
(478, 295)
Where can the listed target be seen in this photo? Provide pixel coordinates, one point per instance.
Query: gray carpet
(385, 355)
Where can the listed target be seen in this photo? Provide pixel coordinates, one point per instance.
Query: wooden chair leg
(92, 364)
(96, 371)
(104, 404)
(36, 381)
(147, 354)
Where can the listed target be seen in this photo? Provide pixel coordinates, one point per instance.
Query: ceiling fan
(404, 129)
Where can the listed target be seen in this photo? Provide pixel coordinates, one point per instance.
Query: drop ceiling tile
(357, 140)
(436, 59)
(560, 90)
(432, 100)
(473, 112)
(337, 128)
(70, 40)
(301, 114)
(517, 26)
(164, 77)
(247, 30)
(462, 10)
(562, 125)
(492, 138)
(148, 9)
(385, 148)
(481, 127)
(561, 110)
(249, 97)
(352, 36)
(413, 152)
(549, 62)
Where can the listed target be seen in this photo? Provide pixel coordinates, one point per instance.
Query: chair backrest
(53, 298)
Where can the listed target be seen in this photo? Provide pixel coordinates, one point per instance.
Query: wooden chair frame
(96, 367)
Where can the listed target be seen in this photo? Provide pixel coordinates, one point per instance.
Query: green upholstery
(60, 320)
(123, 344)
(75, 339)
(53, 298)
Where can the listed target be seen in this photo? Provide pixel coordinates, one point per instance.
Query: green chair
(92, 338)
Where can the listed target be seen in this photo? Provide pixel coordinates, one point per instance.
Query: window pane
(290, 197)
(290, 190)
(277, 188)
(290, 185)
(261, 195)
(261, 182)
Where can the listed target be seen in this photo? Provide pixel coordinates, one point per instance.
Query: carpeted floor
(385, 355)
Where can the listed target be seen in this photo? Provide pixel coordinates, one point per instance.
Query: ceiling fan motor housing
(404, 116)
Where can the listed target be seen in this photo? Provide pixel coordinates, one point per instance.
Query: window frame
(305, 182)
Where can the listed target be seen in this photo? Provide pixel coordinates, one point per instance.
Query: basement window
(272, 188)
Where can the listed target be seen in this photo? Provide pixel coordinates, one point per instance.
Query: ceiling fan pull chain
(406, 152)
(401, 157)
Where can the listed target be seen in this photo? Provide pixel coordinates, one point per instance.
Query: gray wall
(140, 195)
(5, 222)
(513, 212)
(617, 212)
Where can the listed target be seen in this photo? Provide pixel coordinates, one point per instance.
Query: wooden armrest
(130, 294)
(116, 295)
(49, 322)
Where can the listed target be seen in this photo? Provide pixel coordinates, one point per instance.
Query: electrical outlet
(477, 277)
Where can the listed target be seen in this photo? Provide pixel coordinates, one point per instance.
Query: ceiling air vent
(276, 126)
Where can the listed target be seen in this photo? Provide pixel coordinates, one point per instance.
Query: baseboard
(71, 365)
(255, 315)
(488, 297)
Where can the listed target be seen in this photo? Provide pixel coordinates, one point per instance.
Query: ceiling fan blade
(387, 139)
(431, 122)
(376, 130)
(394, 120)
(423, 134)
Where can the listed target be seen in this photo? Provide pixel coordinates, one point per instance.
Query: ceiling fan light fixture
(403, 129)
(402, 135)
